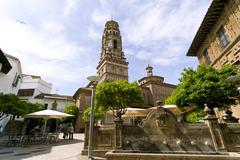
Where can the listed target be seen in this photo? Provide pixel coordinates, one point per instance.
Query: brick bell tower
(112, 65)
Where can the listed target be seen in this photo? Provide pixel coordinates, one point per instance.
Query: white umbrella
(133, 112)
(166, 106)
(173, 108)
(47, 114)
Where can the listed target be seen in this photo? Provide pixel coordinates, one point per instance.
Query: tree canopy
(73, 110)
(205, 85)
(12, 104)
(117, 96)
(54, 105)
(98, 113)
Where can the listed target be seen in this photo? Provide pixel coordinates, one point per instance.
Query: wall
(61, 102)
(83, 101)
(161, 92)
(6, 80)
(158, 91)
(230, 20)
(119, 155)
(38, 84)
(231, 134)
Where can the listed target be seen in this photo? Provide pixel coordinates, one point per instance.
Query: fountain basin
(132, 155)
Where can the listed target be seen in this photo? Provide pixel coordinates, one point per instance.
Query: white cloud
(165, 61)
(46, 52)
(60, 41)
(154, 31)
(161, 29)
(38, 43)
(144, 55)
(158, 20)
(52, 27)
(100, 17)
(69, 7)
(94, 34)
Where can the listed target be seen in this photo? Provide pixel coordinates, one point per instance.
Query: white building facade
(10, 80)
(35, 82)
(35, 90)
(48, 100)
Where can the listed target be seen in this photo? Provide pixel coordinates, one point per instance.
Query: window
(223, 37)
(16, 79)
(121, 71)
(101, 72)
(113, 69)
(206, 57)
(115, 44)
(46, 106)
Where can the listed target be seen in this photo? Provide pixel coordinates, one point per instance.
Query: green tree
(205, 85)
(34, 107)
(117, 96)
(11, 104)
(54, 105)
(98, 113)
(73, 110)
(195, 116)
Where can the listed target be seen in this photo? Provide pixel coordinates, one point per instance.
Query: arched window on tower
(115, 44)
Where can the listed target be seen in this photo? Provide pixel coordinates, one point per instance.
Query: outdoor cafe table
(23, 139)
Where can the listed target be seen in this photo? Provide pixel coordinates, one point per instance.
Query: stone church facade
(154, 88)
(113, 66)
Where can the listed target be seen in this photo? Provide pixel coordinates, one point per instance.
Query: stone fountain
(165, 136)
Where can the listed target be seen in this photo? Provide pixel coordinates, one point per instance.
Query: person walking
(70, 131)
(65, 131)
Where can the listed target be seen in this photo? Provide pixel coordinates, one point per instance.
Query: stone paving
(63, 150)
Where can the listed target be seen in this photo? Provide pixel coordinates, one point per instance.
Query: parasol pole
(45, 124)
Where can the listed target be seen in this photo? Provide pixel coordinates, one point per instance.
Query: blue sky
(60, 40)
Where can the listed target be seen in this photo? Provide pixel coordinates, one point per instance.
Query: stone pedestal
(118, 134)
(216, 133)
(86, 135)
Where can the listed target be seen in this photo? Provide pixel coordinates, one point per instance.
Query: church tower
(112, 65)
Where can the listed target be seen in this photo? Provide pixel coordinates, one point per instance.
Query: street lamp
(94, 80)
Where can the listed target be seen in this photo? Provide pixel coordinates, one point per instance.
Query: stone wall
(231, 133)
(219, 55)
(118, 155)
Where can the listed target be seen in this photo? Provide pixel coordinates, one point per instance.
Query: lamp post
(94, 80)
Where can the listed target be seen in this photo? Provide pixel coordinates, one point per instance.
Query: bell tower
(112, 65)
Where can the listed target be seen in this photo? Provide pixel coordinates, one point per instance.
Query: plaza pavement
(63, 150)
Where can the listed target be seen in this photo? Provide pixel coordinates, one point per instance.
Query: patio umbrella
(173, 108)
(133, 112)
(166, 106)
(47, 114)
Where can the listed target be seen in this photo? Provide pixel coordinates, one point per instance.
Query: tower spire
(112, 65)
(149, 71)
